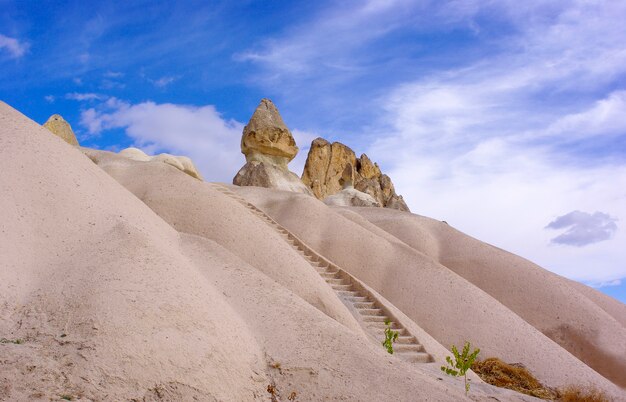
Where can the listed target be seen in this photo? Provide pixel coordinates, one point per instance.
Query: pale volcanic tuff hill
(127, 278)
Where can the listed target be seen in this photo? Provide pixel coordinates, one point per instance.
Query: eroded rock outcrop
(182, 163)
(61, 128)
(325, 167)
(268, 146)
(349, 196)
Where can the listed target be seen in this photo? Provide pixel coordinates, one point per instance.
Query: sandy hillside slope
(449, 307)
(110, 302)
(580, 319)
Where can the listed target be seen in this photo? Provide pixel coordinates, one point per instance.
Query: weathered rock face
(59, 127)
(263, 174)
(268, 146)
(266, 138)
(349, 196)
(325, 166)
(182, 163)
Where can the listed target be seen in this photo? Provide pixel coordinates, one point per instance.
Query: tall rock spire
(266, 134)
(268, 146)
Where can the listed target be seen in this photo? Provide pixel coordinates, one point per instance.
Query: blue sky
(507, 120)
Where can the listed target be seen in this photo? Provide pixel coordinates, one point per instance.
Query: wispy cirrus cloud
(605, 117)
(87, 96)
(163, 81)
(113, 74)
(503, 143)
(13, 46)
(331, 48)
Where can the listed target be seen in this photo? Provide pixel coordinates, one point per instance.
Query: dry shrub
(511, 376)
(517, 378)
(575, 393)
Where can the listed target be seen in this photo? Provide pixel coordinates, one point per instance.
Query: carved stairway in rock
(367, 309)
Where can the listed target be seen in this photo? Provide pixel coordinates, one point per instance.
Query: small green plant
(390, 337)
(15, 341)
(66, 397)
(462, 362)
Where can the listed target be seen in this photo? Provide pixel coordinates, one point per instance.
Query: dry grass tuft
(515, 377)
(575, 393)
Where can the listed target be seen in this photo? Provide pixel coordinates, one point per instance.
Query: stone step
(365, 305)
(329, 275)
(370, 311)
(358, 299)
(349, 293)
(406, 339)
(374, 318)
(342, 288)
(407, 347)
(322, 270)
(336, 281)
(313, 258)
(382, 326)
(415, 357)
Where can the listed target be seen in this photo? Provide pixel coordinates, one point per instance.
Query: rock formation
(325, 166)
(179, 162)
(349, 196)
(268, 146)
(59, 127)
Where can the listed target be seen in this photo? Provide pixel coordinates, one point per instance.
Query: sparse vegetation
(14, 341)
(271, 389)
(390, 337)
(462, 362)
(66, 397)
(575, 393)
(511, 376)
(517, 378)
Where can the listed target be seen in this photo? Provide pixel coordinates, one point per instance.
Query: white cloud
(328, 42)
(605, 117)
(198, 132)
(49, 98)
(483, 146)
(615, 282)
(113, 74)
(83, 96)
(504, 195)
(14, 47)
(163, 81)
(583, 228)
(111, 84)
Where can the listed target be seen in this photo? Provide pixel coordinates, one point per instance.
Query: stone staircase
(365, 307)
